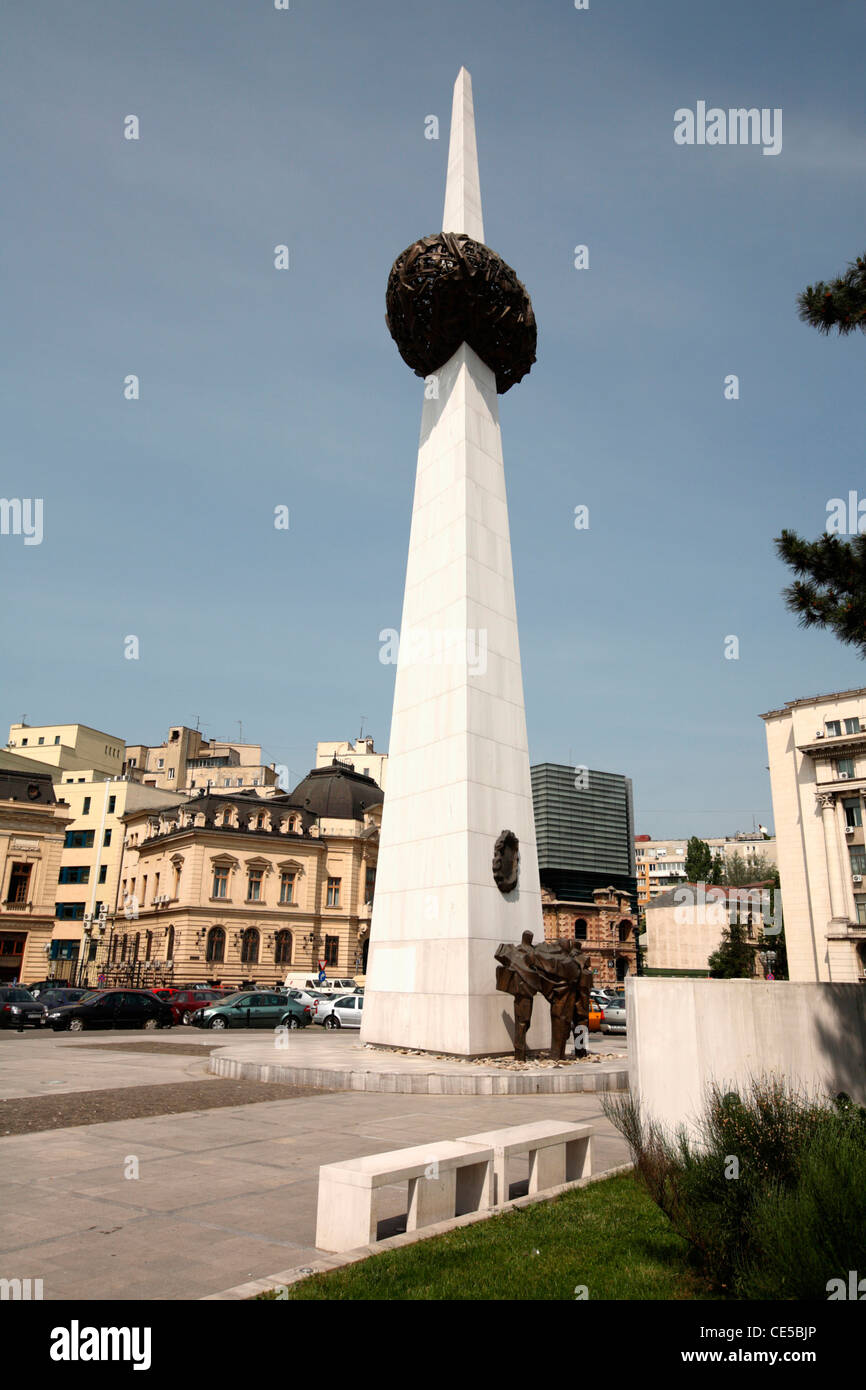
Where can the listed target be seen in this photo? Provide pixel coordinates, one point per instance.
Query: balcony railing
(13, 905)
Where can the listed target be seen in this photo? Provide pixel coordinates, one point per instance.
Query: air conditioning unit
(857, 878)
(849, 830)
(843, 776)
(819, 733)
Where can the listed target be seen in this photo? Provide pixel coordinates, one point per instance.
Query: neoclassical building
(606, 926)
(237, 887)
(817, 760)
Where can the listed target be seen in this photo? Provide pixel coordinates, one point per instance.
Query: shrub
(765, 1167)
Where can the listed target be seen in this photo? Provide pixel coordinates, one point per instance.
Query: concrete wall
(684, 1033)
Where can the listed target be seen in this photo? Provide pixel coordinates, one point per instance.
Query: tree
(717, 873)
(739, 871)
(735, 958)
(699, 861)
(841, 304)
(832, 590)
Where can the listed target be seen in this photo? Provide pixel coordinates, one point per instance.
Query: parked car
(38, 988)
(18, 1008)
(614, 1016)
(254, 1010)
(311, 982)
(185, 1002)
(596, 1015)
(111, 1008)
(165, 991)
(345, 1011)
(51, 998)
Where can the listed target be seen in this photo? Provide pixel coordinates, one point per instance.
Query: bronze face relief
(506, 862)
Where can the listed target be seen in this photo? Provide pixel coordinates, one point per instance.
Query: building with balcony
(246, 887)
(32, 829)
(817, 759)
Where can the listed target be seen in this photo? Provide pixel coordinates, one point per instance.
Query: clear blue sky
(260, 127)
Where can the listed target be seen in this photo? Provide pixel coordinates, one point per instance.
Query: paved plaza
(223, 1195)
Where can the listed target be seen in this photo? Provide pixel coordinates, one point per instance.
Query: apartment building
(660, 864)
(68, 748)
(189, 762)
(817, 759)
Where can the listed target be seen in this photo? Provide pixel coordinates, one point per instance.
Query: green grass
(609, 1237)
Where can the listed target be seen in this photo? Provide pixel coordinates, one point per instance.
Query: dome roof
(337, 792)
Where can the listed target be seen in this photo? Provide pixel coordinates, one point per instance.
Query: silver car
(614, 1015)
(343, 1012)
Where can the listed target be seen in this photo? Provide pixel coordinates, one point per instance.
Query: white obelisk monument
(458, 769)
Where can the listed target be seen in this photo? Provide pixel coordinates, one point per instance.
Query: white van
(311, 982)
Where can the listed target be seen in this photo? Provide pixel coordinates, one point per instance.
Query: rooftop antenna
(240, 731)
(361, 734)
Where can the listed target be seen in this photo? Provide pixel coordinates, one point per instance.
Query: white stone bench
(558, 1153)
(446, 1179)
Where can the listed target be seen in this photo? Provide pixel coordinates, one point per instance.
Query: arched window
(621, 968)
(169, 944)
(135, 945)
(216, 944)
(123, 950)
(580, 929)
(148, 944)
(624, 931)
(293, 825)
(283, 948)
(250, 946)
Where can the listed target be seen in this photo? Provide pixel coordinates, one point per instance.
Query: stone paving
(222, 1196)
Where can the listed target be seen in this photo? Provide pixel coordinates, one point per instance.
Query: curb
(548, 1082)
(286, 1277)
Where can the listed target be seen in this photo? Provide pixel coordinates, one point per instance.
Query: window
(254, 885)
(106, 839)
(334, 892)
(332, 946)
(858, 860)
(833, 727)
(852, 726)
(580, 929)
(239, 781)
(56, 738)
(78, 839)
(156, 886)
(69, 912)
(287, 887)
(369, 886)
(112, 802)
(19, 883)
(160, 762)
(844, 767)
(42, 740)
(132, 762)
(250, 946)
(853, 812)
(861, 910)
(85, 810)
(283, 948)
(103, 873)
(220, 883)
(169, 944)
(171, 774)
(78, 874)
(216, 945)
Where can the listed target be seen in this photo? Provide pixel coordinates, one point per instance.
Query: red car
(165, 992)
(185, 1002)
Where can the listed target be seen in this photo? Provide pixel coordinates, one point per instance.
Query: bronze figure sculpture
(560, 971)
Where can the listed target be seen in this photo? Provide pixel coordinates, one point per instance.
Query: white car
(346, 1011)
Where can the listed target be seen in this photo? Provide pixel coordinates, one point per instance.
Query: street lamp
(768, 960)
